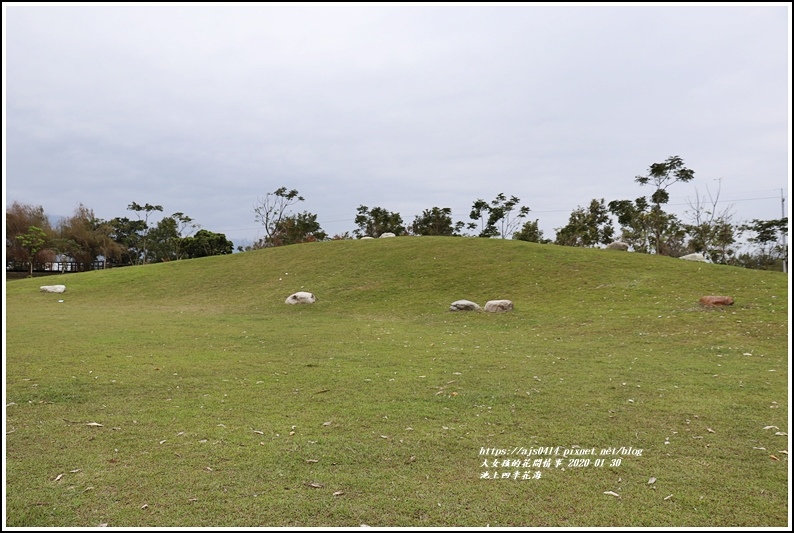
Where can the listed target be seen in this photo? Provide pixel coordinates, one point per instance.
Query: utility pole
(783, 215)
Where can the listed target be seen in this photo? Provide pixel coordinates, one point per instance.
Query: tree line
(83, 237)
(642, 223)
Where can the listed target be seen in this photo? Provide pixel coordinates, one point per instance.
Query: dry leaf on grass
(609, 492)
(94, 424)
(652, 481)
(315, 485)
(338, 493)
(58, 477)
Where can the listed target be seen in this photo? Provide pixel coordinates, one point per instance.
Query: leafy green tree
(648, 229)
(436, 221)
(147, 211)
(166, 240)
(530, 232)
(32, 241)
(480, 211)
(661, 176)
(206, 243)
(128, 234)
(185, 227)
(507, 214)
(295, 229)
(270, 210)
(587, 227)
(377, 221)
(499, 218)
(768, 238)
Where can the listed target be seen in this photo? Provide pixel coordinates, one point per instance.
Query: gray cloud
(203, 109)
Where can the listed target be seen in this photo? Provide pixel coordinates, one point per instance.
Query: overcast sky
(204, 109)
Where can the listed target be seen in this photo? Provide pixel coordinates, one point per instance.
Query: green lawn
(220, 405)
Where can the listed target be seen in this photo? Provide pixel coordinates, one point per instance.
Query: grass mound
(188, 393)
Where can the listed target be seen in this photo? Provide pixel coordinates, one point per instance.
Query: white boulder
(464, 305)
(387, 234)
(618, 245)
(695, 257)
(53, 288)
(498, 306)
(301, 298)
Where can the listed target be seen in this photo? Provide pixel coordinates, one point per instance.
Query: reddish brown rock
(716, 300)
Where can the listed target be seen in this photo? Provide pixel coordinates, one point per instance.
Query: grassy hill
(220, 405)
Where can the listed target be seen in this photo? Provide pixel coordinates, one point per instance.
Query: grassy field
(189, 394)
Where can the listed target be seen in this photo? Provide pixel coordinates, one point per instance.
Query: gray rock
(498, 306)
(464, 305)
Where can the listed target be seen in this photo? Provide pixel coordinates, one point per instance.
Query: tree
(19, 219)
(502, 213)
(206, 243)
(587, 227)
(712, 233)
(271, 209)
(166, 240)
(32, 241)
(79, 238)
(480, 211)
(147, 209)
(185, 226)
(376, 222)
(661, 176)
(108, 247)
(768, 236)
(436, 221)
(501, 219)
(128, 234)
(530, 233)
(647, 229)
(295, 229)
